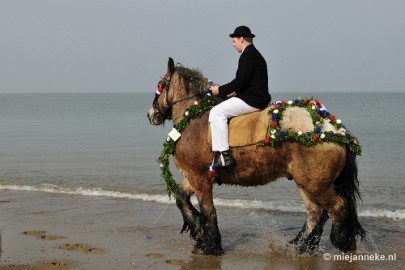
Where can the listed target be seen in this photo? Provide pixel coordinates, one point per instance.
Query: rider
(248, 92)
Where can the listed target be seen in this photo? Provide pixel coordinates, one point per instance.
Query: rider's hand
(214, 89)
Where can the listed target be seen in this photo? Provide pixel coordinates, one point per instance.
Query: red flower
(273, 124)
(284, 102)
(319, 116)
(332, 117)
(276, 106)
(266, 140)
(314, 138)
(160, 89)
(354, 140)
(305, 101)
(292, 132)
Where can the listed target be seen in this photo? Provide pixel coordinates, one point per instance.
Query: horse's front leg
(191, 217)
(210, 243)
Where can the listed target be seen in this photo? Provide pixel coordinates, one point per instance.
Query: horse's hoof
(197, 251)
(215, 251)
(201, 249)
(197, 235)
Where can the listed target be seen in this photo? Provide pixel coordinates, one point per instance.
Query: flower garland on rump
(319, 114)
(276, 136)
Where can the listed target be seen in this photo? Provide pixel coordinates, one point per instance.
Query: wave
(244, 204)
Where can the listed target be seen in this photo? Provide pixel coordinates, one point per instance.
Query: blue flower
(325, 112)
(309, 133)
(318, 111)
(282, 133)
(274, 117)
(332, 134)
(297, 101)
(318, 129)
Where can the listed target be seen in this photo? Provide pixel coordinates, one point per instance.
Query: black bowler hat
(242, 31)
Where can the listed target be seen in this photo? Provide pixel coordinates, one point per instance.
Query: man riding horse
(248, 92)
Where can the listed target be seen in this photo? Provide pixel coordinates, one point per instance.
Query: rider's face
(238, 43)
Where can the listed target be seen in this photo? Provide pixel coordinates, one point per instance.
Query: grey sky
(123, 46)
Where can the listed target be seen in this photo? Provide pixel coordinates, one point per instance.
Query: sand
(59, 231)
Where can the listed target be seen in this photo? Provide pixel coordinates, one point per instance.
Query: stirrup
(223, 159)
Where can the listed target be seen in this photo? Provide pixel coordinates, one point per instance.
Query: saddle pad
(247, 129)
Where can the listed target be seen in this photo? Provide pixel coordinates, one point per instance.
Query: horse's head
(161, 108)
(179, 86)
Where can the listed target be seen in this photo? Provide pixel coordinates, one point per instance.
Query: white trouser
(218, 119)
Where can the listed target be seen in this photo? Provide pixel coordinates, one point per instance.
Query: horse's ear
(170, 65)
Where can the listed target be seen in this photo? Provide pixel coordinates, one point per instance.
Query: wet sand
(57, 231)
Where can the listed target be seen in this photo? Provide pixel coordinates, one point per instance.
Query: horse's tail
(347, 186)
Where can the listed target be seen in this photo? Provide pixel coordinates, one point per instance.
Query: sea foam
(282, 206)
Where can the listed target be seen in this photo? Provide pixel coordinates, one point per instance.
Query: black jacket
(251, 82)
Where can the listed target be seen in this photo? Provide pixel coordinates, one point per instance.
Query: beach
(58, 231)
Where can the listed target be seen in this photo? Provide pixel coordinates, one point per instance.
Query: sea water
(103, 145)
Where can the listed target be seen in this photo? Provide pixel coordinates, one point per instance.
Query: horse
(325, 173)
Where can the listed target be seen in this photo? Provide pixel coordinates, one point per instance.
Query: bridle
(164, 84)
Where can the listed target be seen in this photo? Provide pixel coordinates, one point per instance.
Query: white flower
(323, 136)
(275, 111)
(186, 113)
(278, 102)
(339, 121)
(313, 107)
(342, 131)
(290, 102)
(299, 133)
(273, 131)
(272, 136)
(168, 139)
(318, 123)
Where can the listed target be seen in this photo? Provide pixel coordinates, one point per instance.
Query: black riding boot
(223, 159)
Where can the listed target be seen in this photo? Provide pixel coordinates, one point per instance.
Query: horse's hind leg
(345, 226)
(191, 217)
(308, 238)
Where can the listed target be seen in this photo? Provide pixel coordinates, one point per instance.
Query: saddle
(251, 128)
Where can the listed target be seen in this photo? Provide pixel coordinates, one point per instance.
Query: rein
(165, 85)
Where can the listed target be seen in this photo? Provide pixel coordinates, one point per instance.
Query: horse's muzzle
(155, 118)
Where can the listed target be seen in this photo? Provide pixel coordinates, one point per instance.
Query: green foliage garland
(276, 136)
(194, 111)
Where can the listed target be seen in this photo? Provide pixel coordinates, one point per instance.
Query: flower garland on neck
(194, 111)
(276, 136)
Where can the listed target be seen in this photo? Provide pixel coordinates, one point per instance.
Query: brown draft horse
(325, 174)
